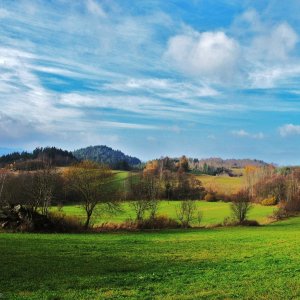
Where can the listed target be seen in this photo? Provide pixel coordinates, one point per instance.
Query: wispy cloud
(252, 53)
(101, 71)
(242, 133)
(95, 8)
(289, 129)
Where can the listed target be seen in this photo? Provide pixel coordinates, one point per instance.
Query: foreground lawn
(223, 263)
(213, 212)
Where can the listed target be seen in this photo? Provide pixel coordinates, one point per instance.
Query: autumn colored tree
(152, 167)
(273, 186)
(183, 164)
(169, 181)
(292, 202)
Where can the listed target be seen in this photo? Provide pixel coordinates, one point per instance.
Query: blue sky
(202, 78)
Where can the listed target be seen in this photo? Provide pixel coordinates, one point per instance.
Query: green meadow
(197, 263)
(213, 212)
(220, 263)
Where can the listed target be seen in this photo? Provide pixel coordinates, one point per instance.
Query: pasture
(213, 212)
(221, 263)
(222, 184)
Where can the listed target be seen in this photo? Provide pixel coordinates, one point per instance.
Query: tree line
(91, 184)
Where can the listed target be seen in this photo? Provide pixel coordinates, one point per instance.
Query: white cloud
(275, 44)
(207, 54)
(3, 13)
(124, 125)
(243, 133)
(267, 50)
(253, 52)
(95, 8)
(151, 139)
(289, 129)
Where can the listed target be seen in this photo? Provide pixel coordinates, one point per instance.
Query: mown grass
(222, 263)
(213, 212)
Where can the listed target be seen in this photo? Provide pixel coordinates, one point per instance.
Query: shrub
(250, 223)
(62, 223)
(199, 217)
(108, 226)
(224, 197)
(210, 197)
(228, 221)
(280, 214)
(159, 222)
(269, 201)
(187, 212)
(241, 205)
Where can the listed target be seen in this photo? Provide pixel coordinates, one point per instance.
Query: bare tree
(292, 202)
(39, 186)
(3, 176)
(187, 212)
(152, 185)
(139, 202)
(95, 184)
(145, 191)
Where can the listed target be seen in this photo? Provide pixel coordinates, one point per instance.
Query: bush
(240, 206)
(269, 201)
(159, 222)
(250, 223)
(280, 214)
(210, 197)
(228, 221)
(108, 226)
(224, 197)
(62, 223)
(187, 212)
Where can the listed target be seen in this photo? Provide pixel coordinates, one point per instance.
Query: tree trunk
(87, 221)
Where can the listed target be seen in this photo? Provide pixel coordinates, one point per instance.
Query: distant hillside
(103, 154)
(36, 158)
(226, 163)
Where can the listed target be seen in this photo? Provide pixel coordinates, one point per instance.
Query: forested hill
(103, 154)
(34, 159)
(226, 163)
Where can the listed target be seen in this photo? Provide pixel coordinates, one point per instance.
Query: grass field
(213, 212)
(222, 263)
(222, 184)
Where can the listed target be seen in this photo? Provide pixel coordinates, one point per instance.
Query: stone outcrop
(18, 217)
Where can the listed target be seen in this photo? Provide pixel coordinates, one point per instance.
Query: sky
(204, 78)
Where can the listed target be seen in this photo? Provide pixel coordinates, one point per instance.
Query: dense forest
(217, 162)
(103, 154)
(117, 160)
(210, 166)
(39, 156)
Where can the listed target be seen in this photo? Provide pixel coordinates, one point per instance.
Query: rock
(19, 217)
